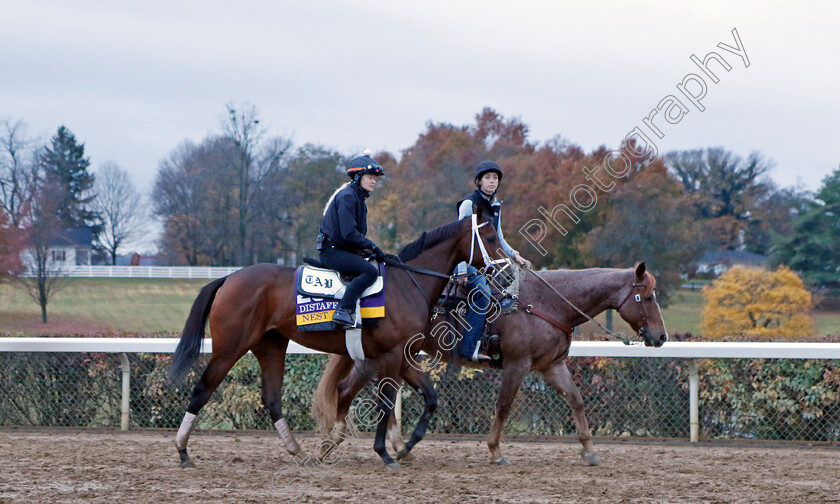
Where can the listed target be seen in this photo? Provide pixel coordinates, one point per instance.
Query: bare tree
(44, 275)
(194, 196)
(121, 207)
(254, 162)
(17, 154)
(212, 198)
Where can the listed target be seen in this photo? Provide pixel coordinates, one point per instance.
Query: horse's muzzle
(651, 340)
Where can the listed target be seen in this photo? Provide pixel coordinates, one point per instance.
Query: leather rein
(636, 287)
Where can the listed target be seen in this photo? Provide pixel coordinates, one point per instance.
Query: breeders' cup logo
(314, 281)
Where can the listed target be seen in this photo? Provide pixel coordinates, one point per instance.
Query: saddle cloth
(318, 292)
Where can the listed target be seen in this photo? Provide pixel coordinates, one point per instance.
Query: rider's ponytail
(333, 197)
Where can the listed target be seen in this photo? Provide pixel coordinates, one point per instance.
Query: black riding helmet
(486, 167)
(363, 164)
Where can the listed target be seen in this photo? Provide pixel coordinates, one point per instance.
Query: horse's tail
(193, 333)
(325, 401)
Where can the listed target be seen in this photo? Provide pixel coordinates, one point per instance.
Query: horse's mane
(573, 275)
(427, 240)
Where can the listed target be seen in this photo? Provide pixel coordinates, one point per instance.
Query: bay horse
(534, 338)
(254, 309)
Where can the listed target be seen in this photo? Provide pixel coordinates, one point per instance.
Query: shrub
(756, 303)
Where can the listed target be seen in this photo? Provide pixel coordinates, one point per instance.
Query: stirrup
(347, 323)
(477, 356)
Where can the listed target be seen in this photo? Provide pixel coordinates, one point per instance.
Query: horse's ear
(640, 271)
(478, 210)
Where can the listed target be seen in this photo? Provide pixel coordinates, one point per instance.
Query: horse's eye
(649, 298)
(491, 239)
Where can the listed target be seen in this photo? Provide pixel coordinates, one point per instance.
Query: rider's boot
(343, 317)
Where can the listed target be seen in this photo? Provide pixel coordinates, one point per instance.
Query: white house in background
(720, 261)
(72, 247)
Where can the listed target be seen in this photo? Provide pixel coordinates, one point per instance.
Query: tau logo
(324, 283)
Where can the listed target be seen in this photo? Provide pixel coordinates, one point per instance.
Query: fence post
(693, 386)
(126, 390)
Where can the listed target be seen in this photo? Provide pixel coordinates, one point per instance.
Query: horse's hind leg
(213, 375)
(420, 381)
(343, 426)
(395, 435)
(271, 354)
(559, 377)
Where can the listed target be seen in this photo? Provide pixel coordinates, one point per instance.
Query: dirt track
(76, 465)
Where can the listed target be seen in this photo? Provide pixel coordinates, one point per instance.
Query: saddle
(506, 296)
(315, 279)
(455, 300)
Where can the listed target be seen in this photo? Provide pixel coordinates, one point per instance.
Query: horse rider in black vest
(488, 177)
(342, 242)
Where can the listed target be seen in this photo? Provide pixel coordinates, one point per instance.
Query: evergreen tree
(813, 245)
(65, 165)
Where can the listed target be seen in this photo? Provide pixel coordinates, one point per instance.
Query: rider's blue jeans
(477, 307)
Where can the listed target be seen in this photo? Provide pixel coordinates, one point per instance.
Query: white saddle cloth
(326, 283)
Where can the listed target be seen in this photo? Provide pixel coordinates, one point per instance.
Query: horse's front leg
(512, 376)
(421, 382)
(559, 377)
(386, 391)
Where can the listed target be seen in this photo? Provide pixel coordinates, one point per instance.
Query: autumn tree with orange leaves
(756, 303)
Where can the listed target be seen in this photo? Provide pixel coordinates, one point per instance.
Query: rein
(475, 226)
(618, 336)
(399, 264)
(409, 268)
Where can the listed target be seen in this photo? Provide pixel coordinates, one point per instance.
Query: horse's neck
(592, 291)
(432, 259)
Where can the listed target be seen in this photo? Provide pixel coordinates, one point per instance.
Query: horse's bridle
(643, 330)
(488, 262)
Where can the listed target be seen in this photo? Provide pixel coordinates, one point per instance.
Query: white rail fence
(690, 351)
(209, 272)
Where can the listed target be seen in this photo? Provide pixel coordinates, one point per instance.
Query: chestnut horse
(530, 342)
(254, 309)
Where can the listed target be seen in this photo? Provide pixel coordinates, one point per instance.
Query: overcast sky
(134, 79)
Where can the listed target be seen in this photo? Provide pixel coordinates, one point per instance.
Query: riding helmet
(363, 164)
(486, 167)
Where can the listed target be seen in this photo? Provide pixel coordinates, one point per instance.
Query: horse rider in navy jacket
(342, 242)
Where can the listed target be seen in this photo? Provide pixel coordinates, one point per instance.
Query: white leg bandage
(184, 431)
(286, 435)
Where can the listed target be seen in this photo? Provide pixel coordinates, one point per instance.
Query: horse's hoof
(502, 461)
(590, 459)
(185, 458)
(405, 456)
(393, 466)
